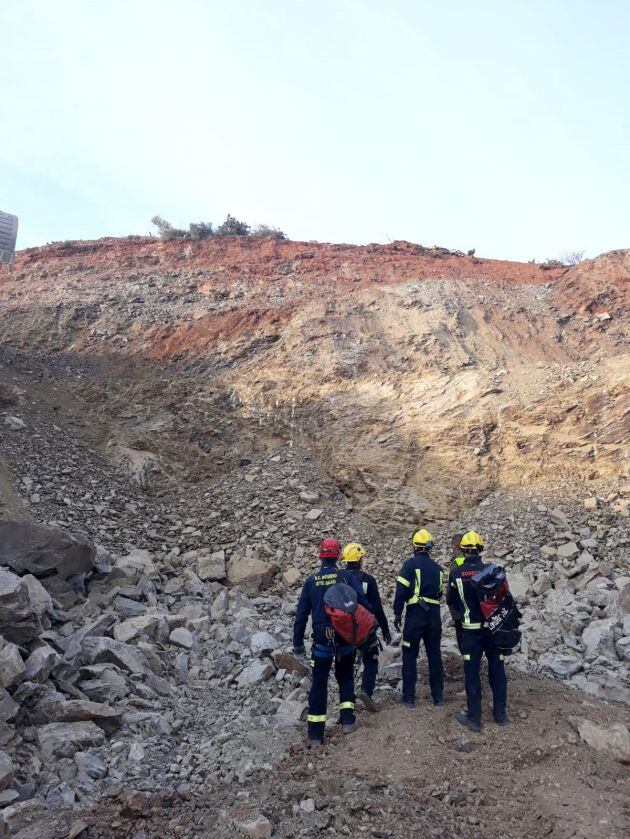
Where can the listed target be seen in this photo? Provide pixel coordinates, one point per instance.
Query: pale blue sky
(503, 126)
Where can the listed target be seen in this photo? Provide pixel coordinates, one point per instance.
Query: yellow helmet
(422, 539)
(472, 541)
(354, 552)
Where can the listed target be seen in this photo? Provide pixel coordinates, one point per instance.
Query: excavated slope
(421, 379)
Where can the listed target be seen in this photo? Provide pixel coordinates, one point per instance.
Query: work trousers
(370, 670)
(476, 642)
(422, 625)
(323, 655)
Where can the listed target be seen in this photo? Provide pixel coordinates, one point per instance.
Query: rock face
(29, 548)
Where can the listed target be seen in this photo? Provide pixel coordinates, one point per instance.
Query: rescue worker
(353, 556)
(476, 640)
(419, 586)
(328, 647)
(457, 558)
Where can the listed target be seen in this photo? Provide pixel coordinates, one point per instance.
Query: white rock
(250, 572)
(599, 639)
(256, 672)
(262, 642)
(257, 828)
(568, 551)
(211, 567)
(136, 753)
(138, 563)
(542, 584)
(142, 626)
(181, 637)
(291, 577)
(562, 664)
(623, 649)
(614, 740)
(519, 584)
(14, 423)
(290, 712)
(314, 514)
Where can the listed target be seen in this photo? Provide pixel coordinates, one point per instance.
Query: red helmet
(329, 549)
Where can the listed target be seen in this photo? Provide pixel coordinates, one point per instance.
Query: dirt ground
(417, 773)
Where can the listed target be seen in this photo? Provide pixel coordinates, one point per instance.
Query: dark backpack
(352, 621)
(499, 609)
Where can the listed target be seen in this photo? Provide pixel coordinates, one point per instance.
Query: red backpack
(349, 618)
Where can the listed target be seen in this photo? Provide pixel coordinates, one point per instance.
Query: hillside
(202, 413)
(422, 380)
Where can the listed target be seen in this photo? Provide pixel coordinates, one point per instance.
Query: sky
(500, 125)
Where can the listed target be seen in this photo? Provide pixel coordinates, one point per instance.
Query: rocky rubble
(153, 654)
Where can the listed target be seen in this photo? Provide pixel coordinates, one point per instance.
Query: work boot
(315, 745)
(408, 703)
(438, 702)
(368, 702)
(463, 719)
(349, 728)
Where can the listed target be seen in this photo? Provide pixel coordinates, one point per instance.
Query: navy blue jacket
(311, 600)
(420, 578)
(369, 587)
(462, 597)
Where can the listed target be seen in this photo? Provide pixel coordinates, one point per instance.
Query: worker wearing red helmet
(328, 647)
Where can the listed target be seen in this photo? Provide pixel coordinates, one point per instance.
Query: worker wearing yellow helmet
(419, 588)
(475, 636)
(353, 555)
(457, 559)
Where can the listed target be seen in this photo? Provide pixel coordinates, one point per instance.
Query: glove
(397, 622)
(387, 637)
(299, 650)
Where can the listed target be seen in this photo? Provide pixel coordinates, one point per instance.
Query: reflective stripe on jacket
(461, 597)
(420, 579)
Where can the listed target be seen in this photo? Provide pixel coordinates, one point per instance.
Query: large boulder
(256, 672)
(63, 739)
(250, 572)
(137, 564)
(562, 664)
(39, 665)
(19, 621)
(211, 567)
(11, 664)
(38, 550)
(54, 707)
(109, 651)
(614, 740)
(40, 599)
(144, 626)
(599, 639)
